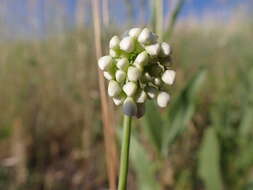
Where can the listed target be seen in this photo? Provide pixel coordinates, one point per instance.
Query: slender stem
(125, 153)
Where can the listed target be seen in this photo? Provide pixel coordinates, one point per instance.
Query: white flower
(108, 75)
(129, 107)
(122, 64)
(127, 44)
(133, 74)
(120, 75)
(113, 53)
(130, 88)
(141, 97)
(147, 37)
(141, 59)
(113, 88)
(151, 91)
(105, 62)
(165, 49)
(153, 49)
(114, 42)
(163, 99)
(168, 77)
(134, 32)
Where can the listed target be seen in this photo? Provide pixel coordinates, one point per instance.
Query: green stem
(124, 157)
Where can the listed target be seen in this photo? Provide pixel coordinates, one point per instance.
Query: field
(51, 132)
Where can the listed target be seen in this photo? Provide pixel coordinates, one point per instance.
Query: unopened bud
(120, 76)
(127, 44)
(142, 58)
(134, 32)
(163, 99)
(114, 53)
(105, 62)
(123, 64)
(130, 88)
(153, 49)
(108, 75)
(168, 77)
(165, 49)
(133, 74)
(113, 88)
(114, 42)
(147, 37)
(129, 107)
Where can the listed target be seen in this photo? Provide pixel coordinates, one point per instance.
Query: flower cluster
(138, 68)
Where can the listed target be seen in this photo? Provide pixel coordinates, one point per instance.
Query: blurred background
(51, 132)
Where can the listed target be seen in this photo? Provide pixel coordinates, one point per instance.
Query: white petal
(130, 88)
(108, 75)
(105, 62)
(113, 53)
(142, 58)
(168, 77)
(114, 42)
(120, 75)
(119, 99)
(123, 64)
(153, 49)
(163, 99)
(127, 44)
(134, 32)
(133, 74)
(113, 88)
(147, 37)
(165, 49)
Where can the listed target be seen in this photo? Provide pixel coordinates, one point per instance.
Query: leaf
(182, 110)
(144, 167)
(209, 161)
(153, 124)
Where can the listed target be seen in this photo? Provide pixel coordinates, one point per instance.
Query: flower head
(138, 68)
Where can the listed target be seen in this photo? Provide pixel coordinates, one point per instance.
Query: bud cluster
(138, 68)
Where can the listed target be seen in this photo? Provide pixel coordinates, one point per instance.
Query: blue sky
(17, 17)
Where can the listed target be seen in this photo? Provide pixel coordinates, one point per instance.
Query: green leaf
(153, 124)
(144, 167)
(182, 110)
(209, 161)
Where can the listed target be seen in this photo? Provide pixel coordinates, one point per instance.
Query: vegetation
(50, 127)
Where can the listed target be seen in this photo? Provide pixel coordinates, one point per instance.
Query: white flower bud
(163, 99)
(147, 37)
(108, 75)
(151, 91)
(141, 97)
(130, 88)
(134, 32)
(119, 99)
(147, 77)
(133, 74)
(114, 53)
(142, 58)
(120, 76)
(153, 49)
(165, 49)
(123, 64)
(168, 77)
(127, 44)
(113, 88)
(157, 81)
(114, 42)
(105, 62)
(129, 107)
